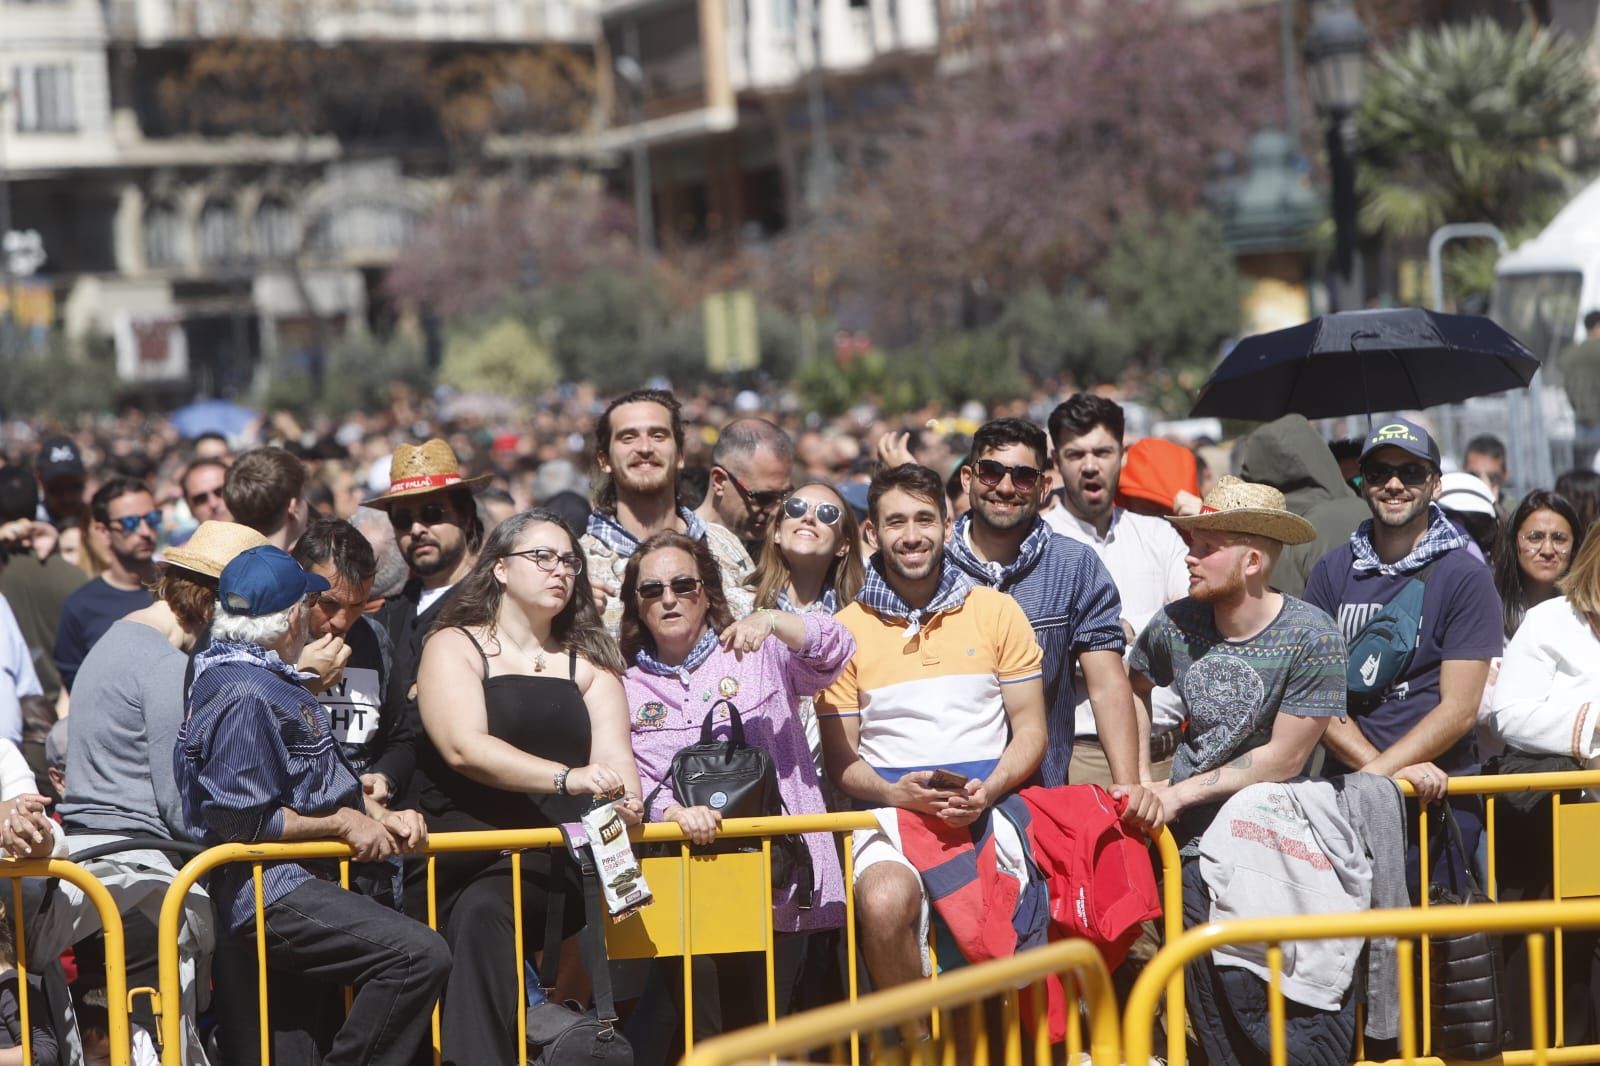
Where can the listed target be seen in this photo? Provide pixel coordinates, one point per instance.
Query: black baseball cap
(1403, 434)
(58, 458)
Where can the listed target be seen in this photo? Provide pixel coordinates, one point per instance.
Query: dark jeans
(321, 937)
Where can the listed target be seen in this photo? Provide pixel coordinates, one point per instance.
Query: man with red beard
(1261, 673)
(638, 445)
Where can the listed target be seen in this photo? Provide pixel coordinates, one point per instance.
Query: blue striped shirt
(256, 741)
(1073, 606)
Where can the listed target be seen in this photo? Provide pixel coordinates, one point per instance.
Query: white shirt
(1547, 698)
(1145, 557)
(431, 596)
(17, 676)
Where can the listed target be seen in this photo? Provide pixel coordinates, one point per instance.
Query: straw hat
(1235, 506)
(417, 469)
(213, 547)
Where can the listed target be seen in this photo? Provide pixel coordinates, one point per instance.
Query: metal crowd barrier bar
(116, 957)
(1406, 925)
(689, 916)
(963, 995)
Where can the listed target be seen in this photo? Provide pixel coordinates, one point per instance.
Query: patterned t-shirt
(1233, 690)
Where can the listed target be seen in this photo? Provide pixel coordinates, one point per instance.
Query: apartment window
(44, 99)
(274, 230)
(783, 15)
(161, 236)
(219, 235)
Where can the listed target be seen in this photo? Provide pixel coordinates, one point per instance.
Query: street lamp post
(1336, 55)
(631, 71)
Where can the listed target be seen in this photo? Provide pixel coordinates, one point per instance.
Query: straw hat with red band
(1234, 506)
(418, 469)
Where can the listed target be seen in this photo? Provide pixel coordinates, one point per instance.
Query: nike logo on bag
(1369, 669)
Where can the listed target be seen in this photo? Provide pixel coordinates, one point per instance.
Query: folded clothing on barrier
(1311, 847)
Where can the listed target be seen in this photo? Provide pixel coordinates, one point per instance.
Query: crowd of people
(381, 629)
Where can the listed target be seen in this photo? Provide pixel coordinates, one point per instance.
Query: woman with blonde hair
(811, 560)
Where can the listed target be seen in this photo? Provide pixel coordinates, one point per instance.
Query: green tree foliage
(358, 374)
(63, 377)
(504, 359)
(1464, 123)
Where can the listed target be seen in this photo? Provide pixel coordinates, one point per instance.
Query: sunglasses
(681, 586)
(991, 473)
(1410, 474)
(129, 523)
(432, 514)
(796, 508)
(547, 559)
(761, 500)
(201, 497)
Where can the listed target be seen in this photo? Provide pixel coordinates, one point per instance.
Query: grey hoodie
(1294, 459)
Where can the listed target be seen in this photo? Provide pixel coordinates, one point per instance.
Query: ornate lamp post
(1336, 57)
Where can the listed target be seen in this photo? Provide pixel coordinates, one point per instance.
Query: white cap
(1465, 494)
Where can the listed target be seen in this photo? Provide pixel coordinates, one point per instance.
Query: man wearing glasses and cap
(1064, 590)
(126, 513)
(1419, 724)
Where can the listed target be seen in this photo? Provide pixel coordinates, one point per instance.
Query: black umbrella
(1357, 362)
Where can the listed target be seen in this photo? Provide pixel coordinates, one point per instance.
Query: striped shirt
(933, 699)
(256, 741)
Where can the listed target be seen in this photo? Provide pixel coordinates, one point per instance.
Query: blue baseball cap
(265, 580)
(1403, 434)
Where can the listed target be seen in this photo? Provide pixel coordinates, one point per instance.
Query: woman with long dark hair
(526, 720)
(1540, 540)
(687, 654)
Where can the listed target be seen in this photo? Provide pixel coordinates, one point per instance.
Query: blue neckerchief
(608, 531)
(1442, 536)
(827, 603)
(881, 598)
(233, 652)
(697, 656)
(998, 575)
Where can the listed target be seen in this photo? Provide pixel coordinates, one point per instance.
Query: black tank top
(541, 715)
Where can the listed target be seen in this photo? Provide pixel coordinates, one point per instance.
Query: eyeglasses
(1410, 474)
(130, 522)
(991, 473)
(1533, 541)
(402, 518)
(681, 586)
(796, 508)
(547, 559)
(761, 500)
(201, 497)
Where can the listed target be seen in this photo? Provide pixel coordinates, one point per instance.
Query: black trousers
(321, 937)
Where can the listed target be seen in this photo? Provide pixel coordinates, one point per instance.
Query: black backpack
(739, 781)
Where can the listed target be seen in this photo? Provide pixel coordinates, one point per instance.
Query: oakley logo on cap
(1396, 431)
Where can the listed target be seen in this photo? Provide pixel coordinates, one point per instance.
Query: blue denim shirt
(256, 741)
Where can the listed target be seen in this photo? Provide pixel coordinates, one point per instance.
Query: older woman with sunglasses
(687, 654)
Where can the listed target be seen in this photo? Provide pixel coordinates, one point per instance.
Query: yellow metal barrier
(116, 957)
(1407, 925)
(690, 915)
(1576, 874)
(965, 992)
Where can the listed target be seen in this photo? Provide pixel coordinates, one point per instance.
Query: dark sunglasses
(201, 497)
(991, 473)
(429, 515)
(1410, 474)
(129, 523)
(763, 499)
(796, 508)
(681, 586)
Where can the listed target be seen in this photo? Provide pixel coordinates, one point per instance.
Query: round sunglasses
(797, 508)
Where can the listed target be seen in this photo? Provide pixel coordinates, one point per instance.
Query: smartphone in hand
(947, 781)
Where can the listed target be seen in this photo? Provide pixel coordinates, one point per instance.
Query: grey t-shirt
(1233, 690)
(127, 705)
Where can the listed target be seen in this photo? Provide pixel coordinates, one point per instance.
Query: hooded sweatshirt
(1294, 459)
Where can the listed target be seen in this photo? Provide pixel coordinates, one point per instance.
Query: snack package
(620, 876)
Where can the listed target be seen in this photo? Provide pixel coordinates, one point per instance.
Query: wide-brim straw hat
(213, 547)
(418, 469)
(1234, 506)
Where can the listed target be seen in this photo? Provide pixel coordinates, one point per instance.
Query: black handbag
(563, 1034)
(1464, 971)
(739, 781)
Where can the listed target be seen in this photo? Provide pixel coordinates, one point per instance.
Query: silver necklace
(537, 657)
